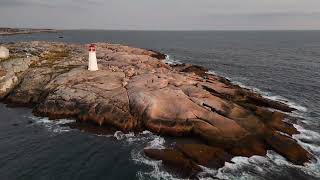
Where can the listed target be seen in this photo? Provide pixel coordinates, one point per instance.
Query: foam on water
(307, 136)
(119, 135)
(157, 172)
(54, 126)
(150, 141)
(207, 173)
(267, 95)
(170, 60)
(258, 166)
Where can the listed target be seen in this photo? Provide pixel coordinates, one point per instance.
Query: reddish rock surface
(2, 72)
(205, 155)
(135, 90)
(175, 160)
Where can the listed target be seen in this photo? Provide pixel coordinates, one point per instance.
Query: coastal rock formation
(4, 53)
(135, 90)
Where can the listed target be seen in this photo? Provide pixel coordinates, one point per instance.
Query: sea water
(281, 65)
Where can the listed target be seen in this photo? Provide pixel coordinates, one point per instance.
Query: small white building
(4, 52)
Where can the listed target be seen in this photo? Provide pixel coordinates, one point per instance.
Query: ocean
(281, 65)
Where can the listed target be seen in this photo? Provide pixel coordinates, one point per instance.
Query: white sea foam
(212, 72)
(137, 155)
(156, 143)
(267, 95)
(308, 136)
(249, 168)
(207, 173)
(54, 126)
(152, 140)
(273, 162)
(158, 172)
(259, 166)
(236, 170)
(170, 60)
(119, 135)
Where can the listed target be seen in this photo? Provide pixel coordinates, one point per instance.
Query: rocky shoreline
(134, 90)
(16, 31)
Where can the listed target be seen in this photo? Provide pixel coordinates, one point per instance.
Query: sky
(162, 14)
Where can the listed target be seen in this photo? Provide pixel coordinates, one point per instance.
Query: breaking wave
(267, 95)
(170, 60)
(151, 141)
(54, 126)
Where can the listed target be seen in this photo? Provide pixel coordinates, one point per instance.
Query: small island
(135, 90)
(14, 31)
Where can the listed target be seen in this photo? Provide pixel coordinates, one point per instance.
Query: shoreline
(17, 31)
(135, 90)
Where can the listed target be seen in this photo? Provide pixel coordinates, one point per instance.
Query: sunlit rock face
(4, 52)
(134, 90)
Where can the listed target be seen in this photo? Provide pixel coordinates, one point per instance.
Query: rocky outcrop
(175, 161)
(133, 90)
(4, 53)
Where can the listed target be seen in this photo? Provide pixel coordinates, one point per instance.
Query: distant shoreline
(16, 31)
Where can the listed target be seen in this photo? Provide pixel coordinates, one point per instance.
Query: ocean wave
(145, 137)
(259, 166)
(207, 173)
(267, 95)
(54, 126)
(119, 135)
(308, 139)
(149, 141)
(170, 60)
(157, 171)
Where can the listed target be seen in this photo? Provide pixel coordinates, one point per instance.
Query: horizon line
(102, 29)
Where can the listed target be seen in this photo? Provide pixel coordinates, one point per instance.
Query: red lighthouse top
(92, 47)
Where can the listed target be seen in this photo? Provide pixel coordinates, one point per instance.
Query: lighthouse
(93, 65)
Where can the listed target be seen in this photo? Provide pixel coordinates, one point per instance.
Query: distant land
(4, 31)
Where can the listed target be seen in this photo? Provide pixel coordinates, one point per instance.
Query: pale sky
(162, 14)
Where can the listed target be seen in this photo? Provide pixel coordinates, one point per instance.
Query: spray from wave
(54, 126)
(170, 60)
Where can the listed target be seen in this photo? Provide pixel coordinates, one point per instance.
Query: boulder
(175, 160)
(205, 155)
(4, 52)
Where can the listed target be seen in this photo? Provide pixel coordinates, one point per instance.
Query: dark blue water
(283, 65)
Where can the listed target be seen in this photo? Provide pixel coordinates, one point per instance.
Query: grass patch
(56, 55)
(51, 57)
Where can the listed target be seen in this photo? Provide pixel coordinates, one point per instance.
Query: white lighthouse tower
(93, 65)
